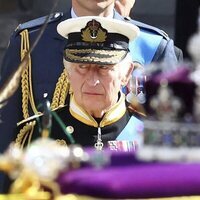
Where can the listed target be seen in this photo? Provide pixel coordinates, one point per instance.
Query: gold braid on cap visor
(111, 56)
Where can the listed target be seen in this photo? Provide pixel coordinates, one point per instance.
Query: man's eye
(104, 67)
(83, 66)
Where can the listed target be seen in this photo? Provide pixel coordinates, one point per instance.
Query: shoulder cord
(26, 83)
(27, 93)
(59, 96)
(61, 91)
(26, 131)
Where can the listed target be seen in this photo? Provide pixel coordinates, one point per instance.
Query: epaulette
(38, 22)
(148, 27)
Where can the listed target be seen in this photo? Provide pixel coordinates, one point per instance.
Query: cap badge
(93, 32)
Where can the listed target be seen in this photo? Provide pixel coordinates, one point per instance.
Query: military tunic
(116, 123)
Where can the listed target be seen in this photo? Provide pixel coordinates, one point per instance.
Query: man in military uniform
(44, 71)
(98, 64)
(45, 64)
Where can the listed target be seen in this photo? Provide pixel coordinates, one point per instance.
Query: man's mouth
(93, 93)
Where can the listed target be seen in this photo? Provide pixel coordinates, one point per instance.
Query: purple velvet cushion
(133, 180)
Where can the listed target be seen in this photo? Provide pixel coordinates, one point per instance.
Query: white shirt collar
(73, 13)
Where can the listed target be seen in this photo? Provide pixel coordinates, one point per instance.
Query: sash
(144, 47)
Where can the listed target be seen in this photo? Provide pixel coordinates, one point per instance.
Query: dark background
(176, 17)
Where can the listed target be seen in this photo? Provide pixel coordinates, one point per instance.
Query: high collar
(113, 115)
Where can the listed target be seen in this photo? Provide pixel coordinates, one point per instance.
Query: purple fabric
(136, 180)
(180, 83)
(180, 75)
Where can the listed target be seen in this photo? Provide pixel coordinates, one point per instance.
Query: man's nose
(93, 77)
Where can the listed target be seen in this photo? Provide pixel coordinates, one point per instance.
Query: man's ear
(128, 74)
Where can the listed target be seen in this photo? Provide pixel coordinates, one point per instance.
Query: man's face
(93, 6)
(95, 87)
